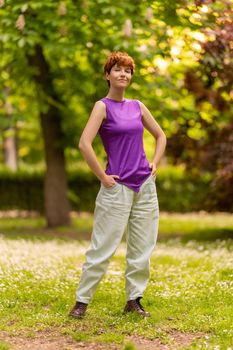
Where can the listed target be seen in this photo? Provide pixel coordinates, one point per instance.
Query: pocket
(109, 188)
(153, 184)
(153, 180)
(109, 194)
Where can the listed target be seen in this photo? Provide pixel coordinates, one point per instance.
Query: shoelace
(136, 305)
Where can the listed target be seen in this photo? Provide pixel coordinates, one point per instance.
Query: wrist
(103, 177)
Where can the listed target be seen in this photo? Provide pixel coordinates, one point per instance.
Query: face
(120, 76)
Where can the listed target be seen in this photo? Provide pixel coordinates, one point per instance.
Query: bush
(177, 190)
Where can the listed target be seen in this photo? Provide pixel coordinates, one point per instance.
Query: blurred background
(51, 74)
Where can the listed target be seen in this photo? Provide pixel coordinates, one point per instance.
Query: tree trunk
(10, 149)
(55, 182)
(9, 135)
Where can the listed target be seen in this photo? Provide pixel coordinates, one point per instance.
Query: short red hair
(121, 58)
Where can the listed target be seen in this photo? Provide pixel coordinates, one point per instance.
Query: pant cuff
(135, 297)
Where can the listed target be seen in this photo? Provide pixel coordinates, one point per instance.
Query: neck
(117, 95)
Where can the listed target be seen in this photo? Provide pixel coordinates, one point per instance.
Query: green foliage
(177, 190)
(75, 37)
(21, 190)
(183, 58)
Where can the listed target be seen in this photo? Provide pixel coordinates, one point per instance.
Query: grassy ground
(190, 289)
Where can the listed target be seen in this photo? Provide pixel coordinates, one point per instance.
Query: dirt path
(55, 341)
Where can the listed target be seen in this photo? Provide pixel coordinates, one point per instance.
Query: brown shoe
(138, 301)
(78, 310)
(135, 306)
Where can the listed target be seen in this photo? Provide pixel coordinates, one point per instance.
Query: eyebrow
(121, 65)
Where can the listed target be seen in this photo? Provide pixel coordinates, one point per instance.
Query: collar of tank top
(124, 99)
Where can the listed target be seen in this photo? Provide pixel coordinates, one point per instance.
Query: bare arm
(85, 143)
(153, 127)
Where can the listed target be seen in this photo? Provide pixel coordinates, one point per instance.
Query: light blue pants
(116, 208)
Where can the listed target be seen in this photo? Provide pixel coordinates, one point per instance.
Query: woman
(127, 195)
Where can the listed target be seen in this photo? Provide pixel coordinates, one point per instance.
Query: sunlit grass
(4, 345)
(198, 226)
(190, 289)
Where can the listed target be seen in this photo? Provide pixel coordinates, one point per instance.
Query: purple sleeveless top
(122, 137)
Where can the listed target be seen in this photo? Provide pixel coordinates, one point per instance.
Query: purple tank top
(122, 137)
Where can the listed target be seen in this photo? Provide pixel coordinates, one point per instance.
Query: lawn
(189, 294)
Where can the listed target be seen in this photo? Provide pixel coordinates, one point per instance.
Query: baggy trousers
(118, 208)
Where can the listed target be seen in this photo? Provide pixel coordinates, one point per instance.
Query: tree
(54, 52)
(213, 85)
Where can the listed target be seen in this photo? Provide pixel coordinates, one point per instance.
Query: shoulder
(99, 104)
(141, 105)
(100, 109)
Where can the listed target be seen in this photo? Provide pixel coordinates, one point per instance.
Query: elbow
(82, 145)
(165, 140)
(163, 137)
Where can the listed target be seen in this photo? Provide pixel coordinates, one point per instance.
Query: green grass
(190, 289)
(4, 345)
(198, 227)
